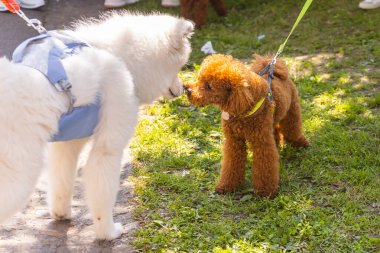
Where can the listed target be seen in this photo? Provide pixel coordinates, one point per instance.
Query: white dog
(134, 59)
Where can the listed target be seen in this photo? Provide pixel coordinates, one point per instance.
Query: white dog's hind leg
(101, 174)
(118, 118)
(62, 164)
(101, 178)
(18, 178)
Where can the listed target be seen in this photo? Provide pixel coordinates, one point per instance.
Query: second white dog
(134, 60)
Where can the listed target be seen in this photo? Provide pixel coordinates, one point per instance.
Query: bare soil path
(32, 230)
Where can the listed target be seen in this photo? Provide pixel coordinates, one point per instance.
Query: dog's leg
(195, 10)
(62, 163)
(102, 171)
(19, 171)
(278, 136)
(118, 118)
(233, 164)
(220, 7)
(291, 125)
(101, 181)
(265, 162)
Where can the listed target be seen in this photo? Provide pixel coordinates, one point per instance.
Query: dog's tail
(259, 62)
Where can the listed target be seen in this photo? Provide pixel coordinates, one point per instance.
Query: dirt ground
(32, 230)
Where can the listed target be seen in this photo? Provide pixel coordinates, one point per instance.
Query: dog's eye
(208, 86)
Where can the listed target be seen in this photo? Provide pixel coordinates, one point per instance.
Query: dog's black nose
(187, 89)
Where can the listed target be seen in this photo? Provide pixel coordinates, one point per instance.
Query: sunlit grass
(329, 197)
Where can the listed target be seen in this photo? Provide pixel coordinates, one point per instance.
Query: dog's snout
(187, 89)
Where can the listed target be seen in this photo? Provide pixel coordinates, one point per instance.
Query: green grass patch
(329, 194)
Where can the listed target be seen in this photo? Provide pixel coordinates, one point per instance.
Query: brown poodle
(249, 116)
(196, 10)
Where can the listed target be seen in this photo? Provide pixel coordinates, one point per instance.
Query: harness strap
(56, 72)
(19, 53)
(79, 123)
(63, 45)
(269, 69)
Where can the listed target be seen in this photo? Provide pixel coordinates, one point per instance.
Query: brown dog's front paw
(302, 142)
(223, 188)
(267, 192)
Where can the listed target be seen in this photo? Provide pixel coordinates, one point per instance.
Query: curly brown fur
(196, 10)
(229, 84)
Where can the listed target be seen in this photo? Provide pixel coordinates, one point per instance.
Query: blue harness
(51, 48)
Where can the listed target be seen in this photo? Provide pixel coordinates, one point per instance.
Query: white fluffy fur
(134, 60)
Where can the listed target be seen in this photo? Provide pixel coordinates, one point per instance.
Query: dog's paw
(61, 214)
(113, 233)
(223, 188)
(266, 192)
(302, 142)
(59, 205)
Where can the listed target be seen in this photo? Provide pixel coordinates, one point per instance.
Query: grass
(329, 198)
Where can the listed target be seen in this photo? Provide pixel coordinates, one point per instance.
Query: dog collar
(226, 115)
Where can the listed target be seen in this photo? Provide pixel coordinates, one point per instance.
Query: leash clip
(36, 24)
(64, 85)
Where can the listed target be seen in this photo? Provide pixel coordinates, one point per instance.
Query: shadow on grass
(328, 196)
(340, 114)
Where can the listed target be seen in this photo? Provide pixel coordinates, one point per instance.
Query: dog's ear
(181, 34)
(188, 29)
(239, 99)
(246, 94)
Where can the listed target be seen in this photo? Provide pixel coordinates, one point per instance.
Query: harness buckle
(72, 100)
(270, 69)
(65, 86)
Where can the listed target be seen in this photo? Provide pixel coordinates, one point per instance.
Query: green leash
(270, 67)
(300, 16)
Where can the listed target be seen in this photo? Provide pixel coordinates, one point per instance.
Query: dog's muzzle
(187, 90)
